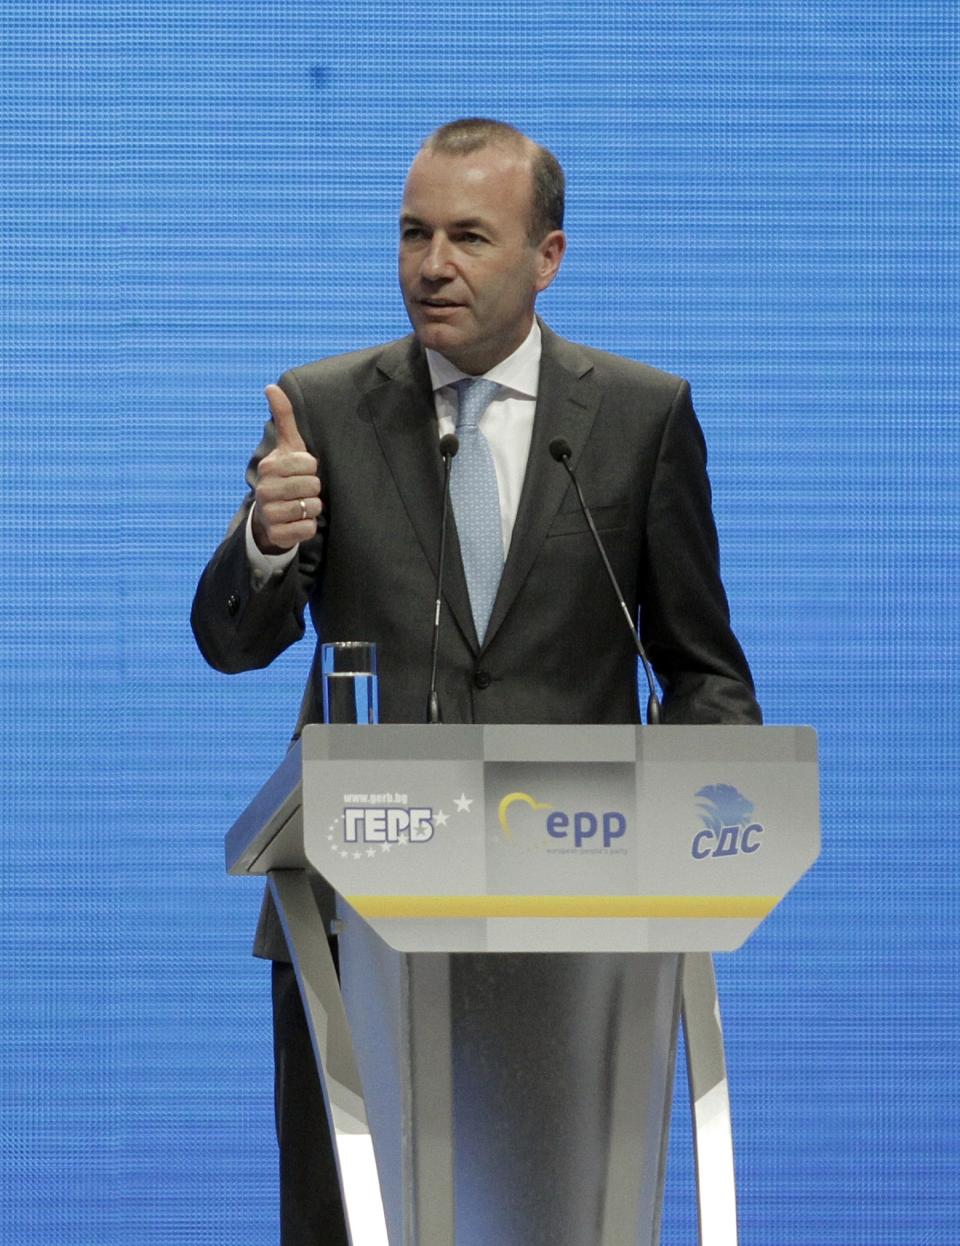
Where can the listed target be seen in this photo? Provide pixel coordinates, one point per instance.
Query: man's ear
(550, 252)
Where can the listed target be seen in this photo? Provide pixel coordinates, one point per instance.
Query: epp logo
(581, 826)
(373, 824)
(728, 828)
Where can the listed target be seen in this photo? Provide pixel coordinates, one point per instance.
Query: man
(344, 512)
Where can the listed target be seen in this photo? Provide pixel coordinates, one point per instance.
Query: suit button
(233, 604)
(482, 679)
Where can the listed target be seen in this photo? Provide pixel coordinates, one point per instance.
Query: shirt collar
(519, 372)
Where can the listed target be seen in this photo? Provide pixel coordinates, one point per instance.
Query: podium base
(521, 1099)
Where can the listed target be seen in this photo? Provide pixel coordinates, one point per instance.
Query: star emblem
(463, 802)
(440, 818)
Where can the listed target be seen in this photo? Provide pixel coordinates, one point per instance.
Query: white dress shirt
(507, 425)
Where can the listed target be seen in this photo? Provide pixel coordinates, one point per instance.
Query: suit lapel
(405, 422)
(567, 403)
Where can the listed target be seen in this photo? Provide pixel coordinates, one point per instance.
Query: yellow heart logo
(511, 799)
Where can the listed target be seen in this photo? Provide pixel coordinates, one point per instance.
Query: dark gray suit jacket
(556, 648)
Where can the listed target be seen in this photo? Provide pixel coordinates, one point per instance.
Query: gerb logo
(728, 826)
(372, 824)
(583, 829)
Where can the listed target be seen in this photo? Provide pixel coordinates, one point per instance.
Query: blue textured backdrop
(763, 198)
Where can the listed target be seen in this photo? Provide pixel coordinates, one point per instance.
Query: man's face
(468, 271)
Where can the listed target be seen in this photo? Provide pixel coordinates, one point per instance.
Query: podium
(525, 913)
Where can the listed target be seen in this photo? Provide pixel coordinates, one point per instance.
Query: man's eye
(473, 238)
(410, 233)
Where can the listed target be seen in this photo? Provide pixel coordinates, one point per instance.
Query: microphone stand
(449, 445)
(560, 451)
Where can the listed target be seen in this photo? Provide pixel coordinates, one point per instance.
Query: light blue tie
(476, 501)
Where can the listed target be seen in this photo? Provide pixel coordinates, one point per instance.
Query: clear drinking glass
(351, 683)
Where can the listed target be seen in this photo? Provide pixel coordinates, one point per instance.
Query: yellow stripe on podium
(564, 906)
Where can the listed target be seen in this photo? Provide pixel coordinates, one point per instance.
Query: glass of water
(351, 683)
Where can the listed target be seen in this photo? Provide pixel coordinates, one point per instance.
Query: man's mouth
(438, 303)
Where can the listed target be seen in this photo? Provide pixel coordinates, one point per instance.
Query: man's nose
(436, 264)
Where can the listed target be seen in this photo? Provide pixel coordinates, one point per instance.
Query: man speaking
(344, 509)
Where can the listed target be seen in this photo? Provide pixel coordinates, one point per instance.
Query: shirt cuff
(265, 567)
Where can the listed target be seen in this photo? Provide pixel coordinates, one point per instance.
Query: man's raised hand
(287, 492)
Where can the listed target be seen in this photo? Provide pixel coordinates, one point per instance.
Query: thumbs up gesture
(287, 494)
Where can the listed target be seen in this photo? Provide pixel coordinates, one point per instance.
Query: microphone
(560, 452)
(449, 445)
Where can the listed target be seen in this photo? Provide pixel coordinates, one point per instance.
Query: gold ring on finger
(303, 509)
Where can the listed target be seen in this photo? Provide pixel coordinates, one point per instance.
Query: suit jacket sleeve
(239, 627)
(685, 615)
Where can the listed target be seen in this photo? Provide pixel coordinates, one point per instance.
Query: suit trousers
(311, 1209)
